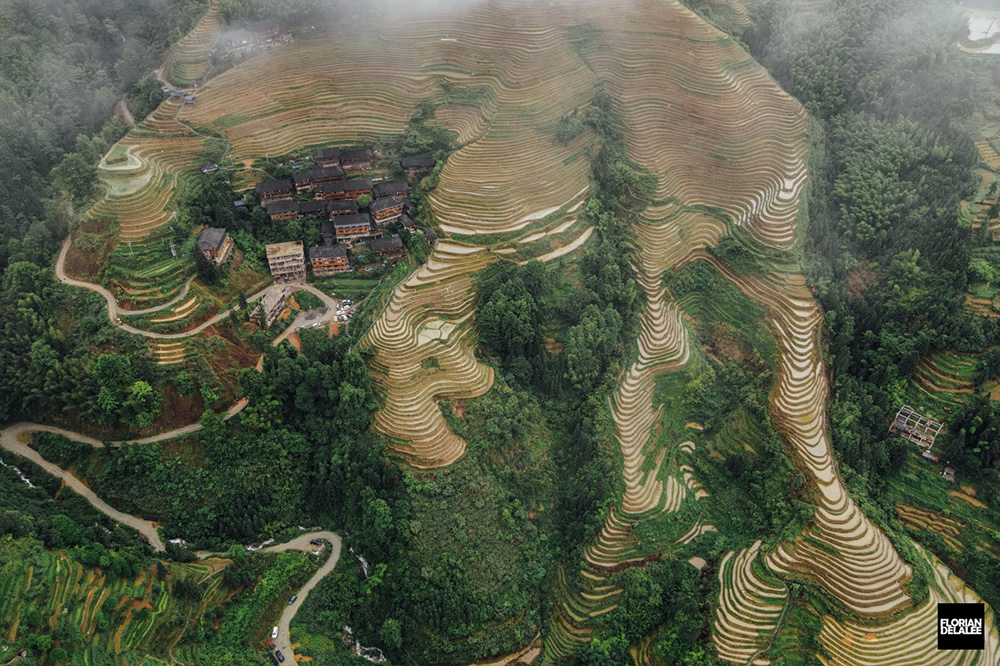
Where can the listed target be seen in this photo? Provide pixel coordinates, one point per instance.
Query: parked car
(292, 600)
(274, 633)
(316, 542)
(277, 653)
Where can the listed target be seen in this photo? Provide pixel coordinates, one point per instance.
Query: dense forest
(64, 66)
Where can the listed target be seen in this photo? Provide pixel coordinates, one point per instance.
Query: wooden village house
(388, 248)
(356, 160)
(328, 259)
(273, 191)
(215, 243)
(283, 210)
(347, 189)
(395, 188)
(308, 180)
(352, 227)
(343, 207)
(412, 166)
(386, 209)
(327, 157)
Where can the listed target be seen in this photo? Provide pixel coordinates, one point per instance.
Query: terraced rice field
(189, 57)
(68, 594)
(728, 148)
(910, 639)
(427, 316)
(139, 189)
(170, 353)
(950, 529)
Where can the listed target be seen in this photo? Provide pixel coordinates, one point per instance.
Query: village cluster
(345, 222)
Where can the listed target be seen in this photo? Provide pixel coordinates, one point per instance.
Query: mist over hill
(64, 64)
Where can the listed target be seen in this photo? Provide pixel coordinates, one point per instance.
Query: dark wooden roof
(314, 208)
(326, 154)
(394, 243)
(328, 251)
(390, 189)
(362, 154)
(386, 203)
(211, 238)
(319, 173)
(357, 219)
(283, 207)
(345, 186)
(340, 206)
(269, 186)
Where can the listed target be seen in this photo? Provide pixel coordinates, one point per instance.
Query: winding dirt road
(114, 312)
(284, 642)
(15, 439)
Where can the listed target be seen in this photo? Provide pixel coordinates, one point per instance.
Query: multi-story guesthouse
(286, 260)
(328, 259)
(388, 248)
(346, 189)
(216, 244)
(356, 160)
(351, 227)
(273, 191)
(326, 157)
(386, 209)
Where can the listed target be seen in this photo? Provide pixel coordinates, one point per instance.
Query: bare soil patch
(87, 264)
(970, 500)
(859, 279)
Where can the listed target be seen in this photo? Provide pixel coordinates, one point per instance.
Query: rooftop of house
(385, 203)
(340, 206)
(283, 207)
(406, 221)
(209, 166)
(314, 207)
(391, 188)
(318, 173)
(393, 243)
(357, 219)
(283, 249)
(210, 238)
(418, 162)
(282, 185)
(345, 186)
(337, 251)
(326, 154)
(358, 154)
